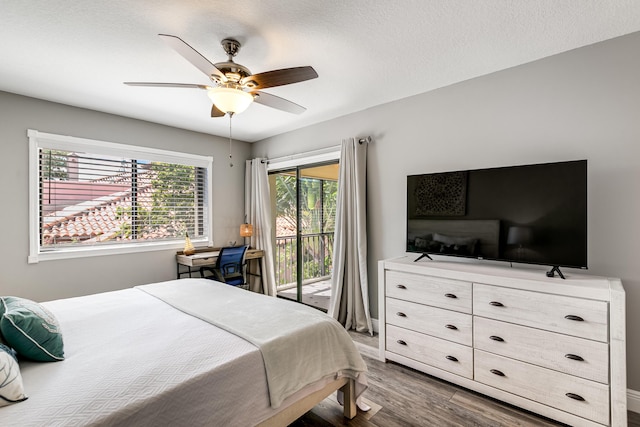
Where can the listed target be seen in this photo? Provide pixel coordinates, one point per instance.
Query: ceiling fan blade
(192, 55)
(277, 102)
(178, 85)
(281, 77)
(215, 112)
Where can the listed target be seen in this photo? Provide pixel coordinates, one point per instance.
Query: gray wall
(64, 278)
(583, 104)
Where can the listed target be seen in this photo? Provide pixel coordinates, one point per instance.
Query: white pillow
(11, 389)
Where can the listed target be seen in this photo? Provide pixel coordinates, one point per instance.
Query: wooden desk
(208, 257)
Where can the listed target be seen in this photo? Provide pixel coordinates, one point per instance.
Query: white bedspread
(299, 344)
(132, 359)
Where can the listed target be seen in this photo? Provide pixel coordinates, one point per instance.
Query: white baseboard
(633, 400)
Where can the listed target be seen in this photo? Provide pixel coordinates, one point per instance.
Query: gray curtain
(258, 211)
(349, 303)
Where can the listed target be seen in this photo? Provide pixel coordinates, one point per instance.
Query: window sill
(71, 253)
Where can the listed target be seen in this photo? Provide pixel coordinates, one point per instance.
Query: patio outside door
(304, 207)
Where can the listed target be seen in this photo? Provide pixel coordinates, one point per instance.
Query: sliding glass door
(304, 205)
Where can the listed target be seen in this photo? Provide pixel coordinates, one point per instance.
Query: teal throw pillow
(11, 389)
(31, 329)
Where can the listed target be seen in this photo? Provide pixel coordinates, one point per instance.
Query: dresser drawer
(441, 323)
(567, 315)
(442, 354)
(433, 291)
(575, 356)
(590, 399)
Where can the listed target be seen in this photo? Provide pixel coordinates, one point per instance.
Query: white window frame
(39, 140)
(317, 156)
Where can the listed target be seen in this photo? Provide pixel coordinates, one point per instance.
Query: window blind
(95, 198)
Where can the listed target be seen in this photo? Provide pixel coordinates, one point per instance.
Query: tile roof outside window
(97, 220)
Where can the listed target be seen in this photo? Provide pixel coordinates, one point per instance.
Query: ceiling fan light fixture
(234, 86)
(230, 100)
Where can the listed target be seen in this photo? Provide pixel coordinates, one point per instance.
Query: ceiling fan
(233, 87)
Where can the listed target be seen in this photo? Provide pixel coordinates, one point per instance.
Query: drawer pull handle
(401, 287)
(496, 338)
(496, 372)
(450, 296)
(452, 358)
(401, 342)
(575, 396)
(574, 357)
(451, 327)
(496, 304)
(573, 317)
(401, 314)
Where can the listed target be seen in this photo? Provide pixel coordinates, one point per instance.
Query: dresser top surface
(575, 284)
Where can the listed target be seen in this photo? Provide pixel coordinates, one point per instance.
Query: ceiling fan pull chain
(230, 157)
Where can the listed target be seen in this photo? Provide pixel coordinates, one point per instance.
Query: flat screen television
(534, 214)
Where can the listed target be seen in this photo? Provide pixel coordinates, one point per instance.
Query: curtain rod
(311, 153)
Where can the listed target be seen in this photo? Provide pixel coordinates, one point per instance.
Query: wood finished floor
(411, 398)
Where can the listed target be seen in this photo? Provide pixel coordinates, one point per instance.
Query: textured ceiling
(366, 52)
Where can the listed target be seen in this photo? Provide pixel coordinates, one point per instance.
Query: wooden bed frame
(304, 405)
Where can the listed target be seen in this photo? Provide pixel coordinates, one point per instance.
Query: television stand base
(422, 256)
(555, 269)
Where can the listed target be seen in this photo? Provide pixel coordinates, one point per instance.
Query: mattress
(132, 359)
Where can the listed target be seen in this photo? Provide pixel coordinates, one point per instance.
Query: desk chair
(229, 266)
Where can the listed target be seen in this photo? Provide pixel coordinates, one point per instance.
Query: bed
(188, 352)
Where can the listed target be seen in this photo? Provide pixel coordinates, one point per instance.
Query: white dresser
(552, 346)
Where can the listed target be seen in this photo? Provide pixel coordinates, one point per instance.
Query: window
(92, 197)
